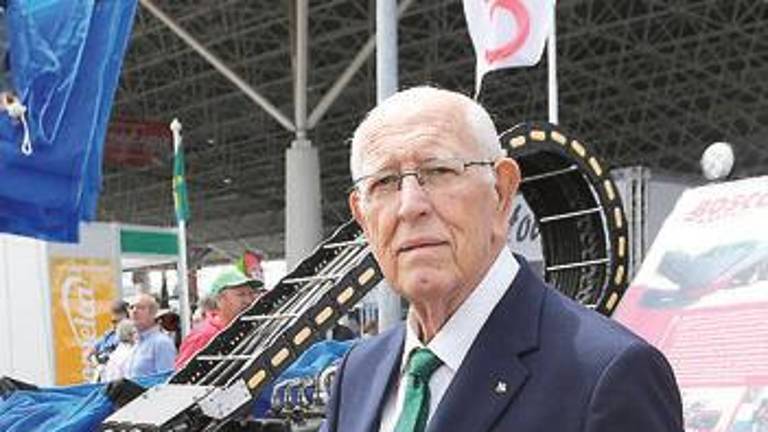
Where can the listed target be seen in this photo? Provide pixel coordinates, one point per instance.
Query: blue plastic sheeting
(75, 408)
(65, 61)
(318, 357)
(84, 407)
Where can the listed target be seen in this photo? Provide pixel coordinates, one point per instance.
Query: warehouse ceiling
(645, 82)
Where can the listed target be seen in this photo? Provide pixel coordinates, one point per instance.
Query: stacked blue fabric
(75, 408)
(84, 407)
(65, 59)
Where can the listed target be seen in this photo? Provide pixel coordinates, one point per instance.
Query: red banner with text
(701, 296)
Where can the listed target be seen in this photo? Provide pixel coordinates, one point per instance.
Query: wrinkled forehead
(142, 301)
(401, 135)
(238, 289)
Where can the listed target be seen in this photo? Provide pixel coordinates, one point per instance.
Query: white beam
(343, 80)
(220, 66)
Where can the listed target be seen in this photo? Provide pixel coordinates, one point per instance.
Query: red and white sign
(508, 33)
(701, 296)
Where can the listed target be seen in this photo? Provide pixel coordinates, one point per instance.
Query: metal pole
(303, 215)
(362, 56)
(184, 310)
(386, 54)
(552, 72)
(300, 85)
(386, 85)
(220, 66)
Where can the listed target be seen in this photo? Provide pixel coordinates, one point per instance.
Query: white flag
(507, 33)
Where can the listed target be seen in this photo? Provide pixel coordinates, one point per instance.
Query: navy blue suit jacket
(565, 369)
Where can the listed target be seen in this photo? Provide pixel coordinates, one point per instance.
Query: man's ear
(354, 207)
(507, 184)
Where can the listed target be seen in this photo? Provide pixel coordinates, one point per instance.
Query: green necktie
(421, 365)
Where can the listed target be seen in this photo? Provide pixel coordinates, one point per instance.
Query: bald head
(412, 106)
(433, 196)
(142, 311)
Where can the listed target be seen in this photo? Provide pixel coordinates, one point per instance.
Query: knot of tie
(423, 363)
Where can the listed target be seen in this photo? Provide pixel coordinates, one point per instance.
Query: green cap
(231, 278)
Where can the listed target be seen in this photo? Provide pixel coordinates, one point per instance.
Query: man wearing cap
(233, 292)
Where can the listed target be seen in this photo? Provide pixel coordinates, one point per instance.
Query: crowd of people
(143, 339)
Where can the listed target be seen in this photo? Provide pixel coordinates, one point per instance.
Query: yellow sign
(82, 290)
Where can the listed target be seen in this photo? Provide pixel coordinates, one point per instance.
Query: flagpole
(389, 304)
(554, 116)
(184, 309)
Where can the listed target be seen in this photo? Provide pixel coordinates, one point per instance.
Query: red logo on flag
(520, 14)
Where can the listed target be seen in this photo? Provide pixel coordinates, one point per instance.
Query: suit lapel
(492, 374)
(372, 382)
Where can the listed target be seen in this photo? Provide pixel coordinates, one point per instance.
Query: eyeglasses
(432, 175)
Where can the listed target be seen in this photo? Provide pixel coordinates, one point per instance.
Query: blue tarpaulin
(74, 408)
(65, 60)
(84, 407)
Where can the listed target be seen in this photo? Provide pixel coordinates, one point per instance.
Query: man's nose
(414, 200)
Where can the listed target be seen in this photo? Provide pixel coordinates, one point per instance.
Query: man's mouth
(418, 244)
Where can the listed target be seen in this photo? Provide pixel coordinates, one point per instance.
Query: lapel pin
(501, 387)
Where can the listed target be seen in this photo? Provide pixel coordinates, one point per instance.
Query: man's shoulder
(157, 337)
(109, 337)
(200, 335)
(563, 320)
(205, 329)
(375, 347)
(593, 334)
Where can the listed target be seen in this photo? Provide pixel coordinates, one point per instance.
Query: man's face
(142, 313)
(234, 300)
(436, 244)
(117, 317)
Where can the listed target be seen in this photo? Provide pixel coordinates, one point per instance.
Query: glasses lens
(432, 174)
(382, 184)
(439, 172)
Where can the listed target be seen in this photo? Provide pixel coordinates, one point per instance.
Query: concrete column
(303, 216)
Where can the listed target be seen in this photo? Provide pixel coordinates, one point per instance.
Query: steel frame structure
(649, 82)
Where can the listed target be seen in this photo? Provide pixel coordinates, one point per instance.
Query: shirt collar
(454, 339)
(146, 333)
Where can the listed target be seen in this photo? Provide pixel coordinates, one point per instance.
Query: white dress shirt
(454, 339)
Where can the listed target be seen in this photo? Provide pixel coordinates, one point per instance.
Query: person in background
(107, 343)
(117, 366)
(206, 309)
(346, 328)
(155, 351)
(233, 292)
(170, 324)
(371, 328)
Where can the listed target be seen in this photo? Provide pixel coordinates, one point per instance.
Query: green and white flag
(180, 200)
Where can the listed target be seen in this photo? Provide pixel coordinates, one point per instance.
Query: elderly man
(487, 346)
(233, 292)
(155, 351)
